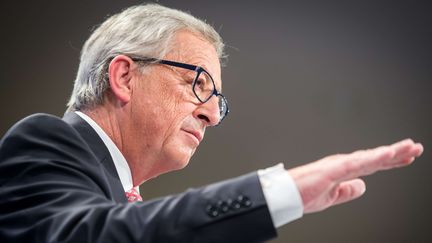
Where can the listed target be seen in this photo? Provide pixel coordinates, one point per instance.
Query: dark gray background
(304, 80)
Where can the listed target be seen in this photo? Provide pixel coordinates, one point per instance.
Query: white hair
(144, 30)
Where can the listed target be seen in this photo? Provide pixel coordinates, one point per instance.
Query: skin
(152, 117)
(335, 179)
(157, 123)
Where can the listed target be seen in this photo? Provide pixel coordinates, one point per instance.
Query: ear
(120, 76)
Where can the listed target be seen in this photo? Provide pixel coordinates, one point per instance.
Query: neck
(115, 124)
(108, 121)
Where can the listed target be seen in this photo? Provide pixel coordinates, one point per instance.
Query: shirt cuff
(281, 193)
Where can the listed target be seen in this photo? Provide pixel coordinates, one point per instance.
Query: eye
(200, 82)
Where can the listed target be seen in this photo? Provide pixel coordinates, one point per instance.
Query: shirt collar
(120, 162)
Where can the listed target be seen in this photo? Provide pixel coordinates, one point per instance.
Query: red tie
(133, 196)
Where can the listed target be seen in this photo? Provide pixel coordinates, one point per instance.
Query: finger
(360, 163)
(366, 162)
(405, 153)
(406, 146)
(405, 156)
(405, 162)
(419, 149)
(349, 190)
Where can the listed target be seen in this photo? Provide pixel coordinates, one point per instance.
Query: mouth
(195, 134)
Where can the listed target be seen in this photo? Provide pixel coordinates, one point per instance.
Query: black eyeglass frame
(191, 67)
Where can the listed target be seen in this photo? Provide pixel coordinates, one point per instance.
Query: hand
(335, 179)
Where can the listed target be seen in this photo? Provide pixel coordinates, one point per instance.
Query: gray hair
(144, 30)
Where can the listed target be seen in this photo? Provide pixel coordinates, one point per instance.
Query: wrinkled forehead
(194, 49)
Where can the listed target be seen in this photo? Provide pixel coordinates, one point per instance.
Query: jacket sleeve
(52, 189)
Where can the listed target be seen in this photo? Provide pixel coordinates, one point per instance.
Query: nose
(208, 112)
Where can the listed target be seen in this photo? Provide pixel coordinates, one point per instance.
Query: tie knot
(133, 196)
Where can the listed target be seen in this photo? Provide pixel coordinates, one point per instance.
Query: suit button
(223, 206)
(244, 201)
(235, 205)
(212, 211)
(229, 203)
(247, 203)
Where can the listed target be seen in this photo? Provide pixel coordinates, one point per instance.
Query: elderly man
(148, 86)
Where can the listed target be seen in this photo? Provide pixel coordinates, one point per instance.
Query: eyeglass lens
(204, 89)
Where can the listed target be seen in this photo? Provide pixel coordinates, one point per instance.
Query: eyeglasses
(203, 85)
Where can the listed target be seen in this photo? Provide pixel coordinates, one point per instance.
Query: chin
(181, 164)
(176, 163)
(168, 166)
(177, 157)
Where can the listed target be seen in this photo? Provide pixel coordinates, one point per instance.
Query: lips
(198, 135)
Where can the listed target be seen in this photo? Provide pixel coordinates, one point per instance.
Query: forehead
(193, 49)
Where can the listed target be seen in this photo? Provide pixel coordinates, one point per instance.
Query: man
(148, 85)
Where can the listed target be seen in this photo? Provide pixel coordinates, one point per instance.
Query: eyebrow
(181, 64)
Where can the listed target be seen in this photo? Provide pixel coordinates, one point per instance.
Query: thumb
(349, 190)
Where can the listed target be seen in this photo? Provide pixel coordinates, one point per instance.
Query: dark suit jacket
(58, 183)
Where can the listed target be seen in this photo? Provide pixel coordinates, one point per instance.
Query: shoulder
(39, 127)
(43, 140)
(38, 120)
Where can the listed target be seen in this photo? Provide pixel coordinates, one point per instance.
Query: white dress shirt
(280, 191)
(120, 162)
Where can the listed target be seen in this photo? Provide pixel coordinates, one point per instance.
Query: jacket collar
(98, 148)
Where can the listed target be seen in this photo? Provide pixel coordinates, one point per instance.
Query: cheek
(161, 101)
(163, 106)
(178, 100)
(172, 104)
(171, 109)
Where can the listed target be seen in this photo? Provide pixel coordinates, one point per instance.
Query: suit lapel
(100, 151)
